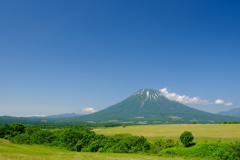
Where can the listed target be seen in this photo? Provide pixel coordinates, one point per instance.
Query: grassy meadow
(9, 151)
(201, 132)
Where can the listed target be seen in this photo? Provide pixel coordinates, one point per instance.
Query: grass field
(10, 151)
(201, 132)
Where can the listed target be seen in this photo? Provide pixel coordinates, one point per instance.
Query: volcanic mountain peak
(151, 107)
(149, 94)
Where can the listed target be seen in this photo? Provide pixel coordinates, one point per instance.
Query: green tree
(11, 131)
(186, 138)
(68, 138)
(4, 130)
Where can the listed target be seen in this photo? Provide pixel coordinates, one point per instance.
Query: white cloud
(228, 104)
(189, 100)
(91, 110)
(219, 101)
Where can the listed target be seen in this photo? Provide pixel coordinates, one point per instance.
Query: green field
(201, 132)
(10, 151)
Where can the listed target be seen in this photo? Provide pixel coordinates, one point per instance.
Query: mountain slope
(149, 106)
(235, 112)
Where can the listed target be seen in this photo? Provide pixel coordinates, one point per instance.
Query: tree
(14, 129)
(4, 130)
(186, 138)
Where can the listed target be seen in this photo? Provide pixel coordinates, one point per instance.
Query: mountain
(36, 120)
(148, 106)
(235, 112)
(66, 115)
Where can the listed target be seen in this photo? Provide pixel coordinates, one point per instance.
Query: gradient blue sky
(60, 56)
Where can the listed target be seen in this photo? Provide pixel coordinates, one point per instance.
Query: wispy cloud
(91, 110)
(35, 116)
(190, 100)
(228, 104)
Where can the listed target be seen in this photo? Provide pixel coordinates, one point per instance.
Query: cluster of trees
(81, 139)
(75, 139)
(230, 123)
(48, 123)
(10, 131)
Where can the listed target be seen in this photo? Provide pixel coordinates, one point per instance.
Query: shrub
(220, 151)
(68, 138)
(161, 144)
(42, 137)
(186, 138)
(4, 130)
(21, 139)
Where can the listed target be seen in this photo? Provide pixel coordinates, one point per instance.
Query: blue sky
(63, 56)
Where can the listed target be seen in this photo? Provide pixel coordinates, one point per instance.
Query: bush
(4, 130)
(68, 138)
(186, 138)
(8, 132)
(161, 144)
(42, 137)
(218, 151)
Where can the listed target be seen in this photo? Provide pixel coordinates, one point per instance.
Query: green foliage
(229, 123)
(112, 125)
(35, 136)
(159, 145)
(4, 130)
(84, 140)
(42, 137)
(76, 139)
(186, 138)
(14, 129)
(68, 138)
(218, 151)
(131, 144)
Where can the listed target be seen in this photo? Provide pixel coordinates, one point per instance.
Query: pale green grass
(201, 132)
(10, 151)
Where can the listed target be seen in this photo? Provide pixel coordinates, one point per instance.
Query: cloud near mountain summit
(189, 100)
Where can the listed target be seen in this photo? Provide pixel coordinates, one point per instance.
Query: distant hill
(148, 106)
(35, 120)
(235, 112)
(66, 115)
